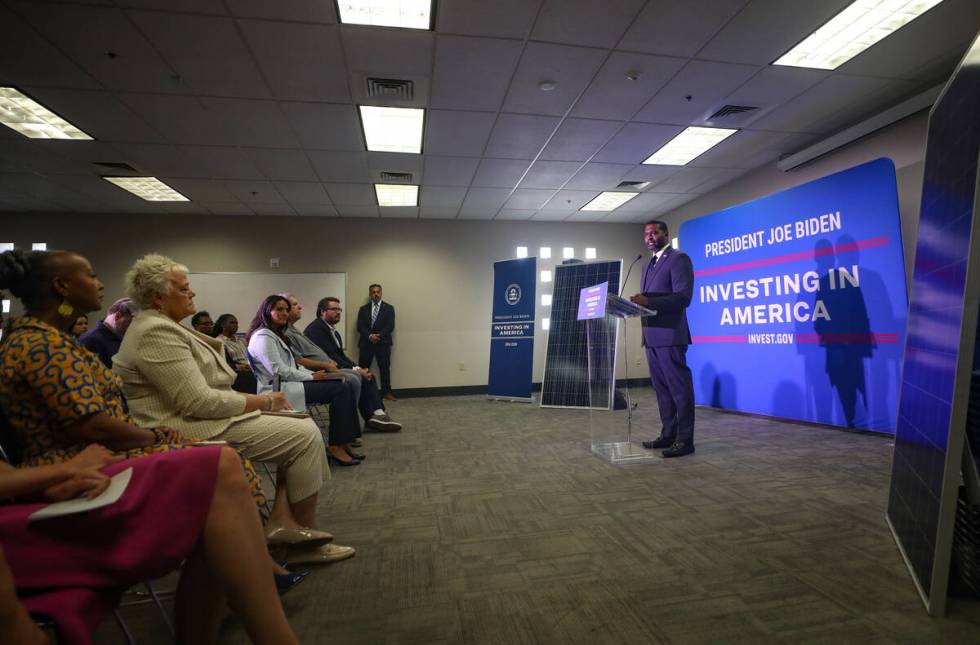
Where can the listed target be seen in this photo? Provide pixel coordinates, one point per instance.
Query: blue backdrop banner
(800, 302)
(512, 329)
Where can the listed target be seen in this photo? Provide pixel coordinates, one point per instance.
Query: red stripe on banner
(793, 257)
(719, 339)
(847, 338)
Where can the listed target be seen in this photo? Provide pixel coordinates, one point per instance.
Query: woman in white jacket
(273, 362)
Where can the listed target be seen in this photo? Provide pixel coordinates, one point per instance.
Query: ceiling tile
(568, 200)
(651, 173)
(321, 126)
(399, 212)
(456, 133)
(720, 178)
(226, 208)
(512, 214)
(273, 210)
(472, 73)
(352, 195)
(290, 165)
(612, 95)
(314, 209)
(449, 171)
(219, 162)
(438, 213)
(579, 139)
(482, 213)
(783, 24)
(88, 33)
(387, 53)
(21, 156)
(395, 162)
(160, 160)
(251, 123)
(340, 166)
(528, 198)
(585, 22)
(550, 216)
(304, 192)
(647, 201)
(695, 92)
(28, 59)
(587, 216)
(206, 51)
(254, 193)
(181, 119)
(500, 19)
(499, 173)
(519, 136)
(678, 28)
(294, 10)
(750, 149)
(479, 199)
(199, 6)
(299, 61)
(598, 176)
(99, 114)
(636, 142)
(549, 174)
(358, 211)
(624, 217)
(570, 67)
(442, 197)
(771, 87)
(685, 180)
(202, 190)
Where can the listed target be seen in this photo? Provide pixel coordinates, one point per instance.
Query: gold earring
(65, 310)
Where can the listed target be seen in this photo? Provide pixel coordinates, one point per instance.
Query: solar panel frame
(566, 382)
(940, 340)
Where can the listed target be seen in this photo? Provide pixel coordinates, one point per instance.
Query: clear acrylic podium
(611, 421)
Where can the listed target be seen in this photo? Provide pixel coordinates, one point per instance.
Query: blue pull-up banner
(512, 329)
(799, 302)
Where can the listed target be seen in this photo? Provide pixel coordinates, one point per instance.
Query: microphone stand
(629, 399)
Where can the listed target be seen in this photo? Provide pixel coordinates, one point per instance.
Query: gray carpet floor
(493, 523)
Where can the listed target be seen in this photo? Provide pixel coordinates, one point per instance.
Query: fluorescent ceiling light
(39, 246)
(589, 253)
(6, 246)
(859, 26)
(568, 252)
(5, 306)
(522, 251)
(545, 299)
(408, 14)
(397, 195)
(544, 252)
(149, 188)
(608, 201)
(31, 119)
(689, 144)
(388, 129)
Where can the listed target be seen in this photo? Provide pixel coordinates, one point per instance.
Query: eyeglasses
(334, 309)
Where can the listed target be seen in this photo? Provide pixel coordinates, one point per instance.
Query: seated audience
(80, 326)
(226, 330)
(105, 337)
(174, 376)
(322, 342)
(190, 506)
(201, 321)
(274, 364)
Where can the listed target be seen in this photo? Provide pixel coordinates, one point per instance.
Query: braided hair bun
(26, 274)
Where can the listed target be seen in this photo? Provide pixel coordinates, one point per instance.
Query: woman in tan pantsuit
(174, 376)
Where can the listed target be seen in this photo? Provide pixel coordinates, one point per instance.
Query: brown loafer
(309, 537)
(323, 555)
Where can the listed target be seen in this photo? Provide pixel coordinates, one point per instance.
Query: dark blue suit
(669, 286)
(383, 326)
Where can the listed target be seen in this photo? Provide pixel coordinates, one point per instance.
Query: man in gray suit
(668, 285)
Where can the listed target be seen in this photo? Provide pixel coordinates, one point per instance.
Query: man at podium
(667, 285)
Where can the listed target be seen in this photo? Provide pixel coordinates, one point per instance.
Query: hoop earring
(65, 310)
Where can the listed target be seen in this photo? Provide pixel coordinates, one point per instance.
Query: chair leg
(122, 625)
(163, 611)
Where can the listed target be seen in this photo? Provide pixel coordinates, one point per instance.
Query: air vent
(397, 177)
(731, 110)
(390, 88)
(633, 185)
(115, 165)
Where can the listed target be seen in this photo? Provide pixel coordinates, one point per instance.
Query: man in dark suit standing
(668, 285)
(375, 324)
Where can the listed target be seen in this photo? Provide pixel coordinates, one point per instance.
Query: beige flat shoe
(309, 537)
(322, 555)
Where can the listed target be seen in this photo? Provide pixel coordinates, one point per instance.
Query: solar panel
(566, 366)
(940, 340)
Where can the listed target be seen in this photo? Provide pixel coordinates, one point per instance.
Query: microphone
(638, 258)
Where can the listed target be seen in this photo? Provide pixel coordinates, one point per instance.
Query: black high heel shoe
(340, 462)
(286, 581)
(357, 456)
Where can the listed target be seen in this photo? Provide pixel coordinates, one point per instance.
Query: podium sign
(592, 302)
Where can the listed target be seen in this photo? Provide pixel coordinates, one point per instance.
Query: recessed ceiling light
(30, 118)
(397, 195)
(544, 252)
(388, 129)
(608, 201)
(547, 86)
(39, 246)
(857, 27)
(590, 253)
(545, 299)
(408, 14)
(522, 251)
(149, 188)
(691, 143)
(567, 252)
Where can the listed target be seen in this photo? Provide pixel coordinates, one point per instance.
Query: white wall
(437, 274)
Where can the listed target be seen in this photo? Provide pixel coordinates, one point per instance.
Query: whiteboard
(242, 293)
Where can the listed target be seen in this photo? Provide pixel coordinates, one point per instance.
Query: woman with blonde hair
(178, 377)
